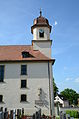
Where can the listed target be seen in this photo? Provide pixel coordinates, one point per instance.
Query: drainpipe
(51, 95)
(49, 89)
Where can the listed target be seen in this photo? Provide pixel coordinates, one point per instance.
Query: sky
(16, 19)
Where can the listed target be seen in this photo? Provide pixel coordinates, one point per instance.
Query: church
(26, 72)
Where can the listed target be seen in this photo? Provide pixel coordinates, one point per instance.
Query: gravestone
(68, 116)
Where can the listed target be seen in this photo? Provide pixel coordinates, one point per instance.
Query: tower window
(41, 33)
(23, 83)
(23, 69)
(1, 73)
(1, 98)
(23, 97)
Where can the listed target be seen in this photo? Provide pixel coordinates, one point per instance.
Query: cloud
(55, 23)
(74, 80)
(77, 80)
(68, 79)
(65, 68)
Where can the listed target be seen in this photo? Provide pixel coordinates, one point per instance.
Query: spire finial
(40, 12)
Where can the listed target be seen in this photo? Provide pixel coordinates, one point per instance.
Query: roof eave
(36, 60)
(40, 25)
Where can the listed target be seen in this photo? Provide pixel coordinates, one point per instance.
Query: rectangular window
(23, 69)
(1, 73)
(23, 98)
(23, 83)
(1, 98)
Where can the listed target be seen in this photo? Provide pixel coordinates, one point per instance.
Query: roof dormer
(26, 54)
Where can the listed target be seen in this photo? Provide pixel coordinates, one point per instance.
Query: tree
(70, 95)
(55, 88)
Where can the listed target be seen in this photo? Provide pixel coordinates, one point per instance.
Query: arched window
(41, 33)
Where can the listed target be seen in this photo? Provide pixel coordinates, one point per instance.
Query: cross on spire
(40, 12)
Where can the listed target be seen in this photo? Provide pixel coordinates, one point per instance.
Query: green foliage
(57, 118)
(72, 113)
(55, 88)
(70, 95)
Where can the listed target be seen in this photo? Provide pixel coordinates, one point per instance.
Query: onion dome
(40, 22)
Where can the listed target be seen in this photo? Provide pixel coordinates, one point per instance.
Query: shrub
(57, 118)
(72, 113)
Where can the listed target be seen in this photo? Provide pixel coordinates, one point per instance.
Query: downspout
(49, 89)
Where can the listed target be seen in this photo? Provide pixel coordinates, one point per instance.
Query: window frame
(25, 83)
(22, 70)
(1, 97)
(25, 54)
(41, 33)
(22, 100)
(2, 72)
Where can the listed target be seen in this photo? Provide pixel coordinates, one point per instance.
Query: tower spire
(40, 12)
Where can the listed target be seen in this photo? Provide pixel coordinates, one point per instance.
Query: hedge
(73, 113)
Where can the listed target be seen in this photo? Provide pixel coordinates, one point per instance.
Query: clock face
(41, 30)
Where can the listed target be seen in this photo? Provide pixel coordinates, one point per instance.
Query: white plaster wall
(51, 89)
(43, 47)
(46, 33)
(37, 77)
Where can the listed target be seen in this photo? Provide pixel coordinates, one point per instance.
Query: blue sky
(16, 19)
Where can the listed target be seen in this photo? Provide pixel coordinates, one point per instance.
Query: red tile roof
(14, 53)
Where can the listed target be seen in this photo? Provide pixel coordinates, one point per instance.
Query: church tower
(41, 35)
(41, 30)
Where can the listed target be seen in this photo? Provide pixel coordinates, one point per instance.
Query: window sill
(23, 101)
(23, 88)
(23, 74)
